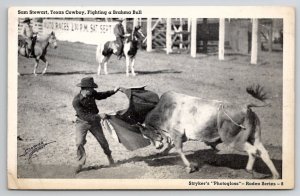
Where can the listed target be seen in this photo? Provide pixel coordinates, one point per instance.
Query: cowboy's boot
(26, 52)
(121, 55)
(31, 54)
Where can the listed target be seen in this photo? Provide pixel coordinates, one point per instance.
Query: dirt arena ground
(45, 112)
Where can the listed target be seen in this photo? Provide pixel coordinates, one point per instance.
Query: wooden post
(254, 45)
(125, 25)
(194, 37)
(168, 37)
(180, 35)
(271, 36)
(135, 22)
(149, 35)
(189, 35)
(221, 38)
(189, 24)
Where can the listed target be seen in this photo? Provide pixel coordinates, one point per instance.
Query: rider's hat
(87, 82)
(119, 19)
(27, 20)
(138, 27)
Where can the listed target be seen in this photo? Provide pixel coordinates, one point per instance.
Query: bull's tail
(258, 92)
(257, 106)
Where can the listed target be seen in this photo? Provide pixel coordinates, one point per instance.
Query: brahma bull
(178, 118)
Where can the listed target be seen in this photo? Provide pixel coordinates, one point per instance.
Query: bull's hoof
(276, 176)
(249, 171)
(192, 168)
(35, 74)
(78, 169)
(127, 74)
(133, 74)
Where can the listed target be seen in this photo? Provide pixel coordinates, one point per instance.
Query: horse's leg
(45, 61)
(99, 66)
(127, 64)
(36, 66)
(99, 58)
(132, 66)
(105, 64)
(103, 61)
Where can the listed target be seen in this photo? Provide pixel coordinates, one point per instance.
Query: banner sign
(80, 31)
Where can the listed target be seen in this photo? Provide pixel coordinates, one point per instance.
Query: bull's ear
(138, 27)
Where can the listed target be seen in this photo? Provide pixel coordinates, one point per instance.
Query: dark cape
(124, 123)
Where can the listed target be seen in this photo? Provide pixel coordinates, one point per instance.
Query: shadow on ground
(164, 71)
(200, 157)
(61, 73)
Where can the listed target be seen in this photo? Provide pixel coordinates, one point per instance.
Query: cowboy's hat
(87, 82)
(27, 20)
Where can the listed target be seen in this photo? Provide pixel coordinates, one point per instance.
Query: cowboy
(29, 36)
(88, 119)
(119, 33)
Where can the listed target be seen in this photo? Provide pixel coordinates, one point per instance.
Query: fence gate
(159, 33)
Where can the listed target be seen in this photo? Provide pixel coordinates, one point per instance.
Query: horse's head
(137, 33)
(52, 40)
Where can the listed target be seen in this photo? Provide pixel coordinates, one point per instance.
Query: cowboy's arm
(82, 113)
(104, 95)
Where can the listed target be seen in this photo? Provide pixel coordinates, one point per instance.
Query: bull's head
(153, 135)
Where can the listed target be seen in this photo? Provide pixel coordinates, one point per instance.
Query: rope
(222, 107)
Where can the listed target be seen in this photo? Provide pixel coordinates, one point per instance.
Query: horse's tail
(99, 52)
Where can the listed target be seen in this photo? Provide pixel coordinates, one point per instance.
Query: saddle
(113, 47)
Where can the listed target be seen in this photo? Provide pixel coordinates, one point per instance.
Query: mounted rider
(30, 37)
(120, 35)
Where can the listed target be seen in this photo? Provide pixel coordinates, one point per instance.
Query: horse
(40, 49)
(104, 51)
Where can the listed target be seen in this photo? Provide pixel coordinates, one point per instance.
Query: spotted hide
(180, 117)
